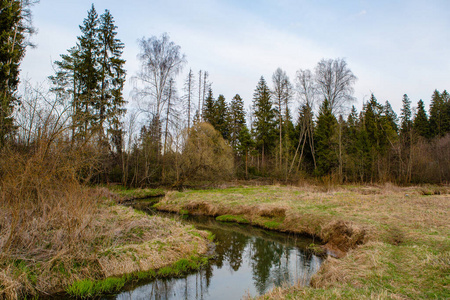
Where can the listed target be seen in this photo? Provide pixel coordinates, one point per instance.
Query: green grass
(93, 288)
(272, 224)
(404, 252)
(232, 218)
(128, 194)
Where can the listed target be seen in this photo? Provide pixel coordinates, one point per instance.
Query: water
(248, 261)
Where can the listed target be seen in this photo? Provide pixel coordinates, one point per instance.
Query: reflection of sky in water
(244, 265)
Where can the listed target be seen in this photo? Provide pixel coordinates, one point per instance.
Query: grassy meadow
(385, 241)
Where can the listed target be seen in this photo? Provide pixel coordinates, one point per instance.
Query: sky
(393, 47)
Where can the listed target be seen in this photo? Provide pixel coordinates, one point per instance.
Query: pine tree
(264, 119)
(326, 141)
(421, 125)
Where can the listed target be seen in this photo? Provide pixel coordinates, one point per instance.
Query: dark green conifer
(421, 125)
(264, 119)
(236, 120)
(326, 140)
(220, 118)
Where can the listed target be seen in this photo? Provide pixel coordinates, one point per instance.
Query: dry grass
(54, 232)
(394, 241)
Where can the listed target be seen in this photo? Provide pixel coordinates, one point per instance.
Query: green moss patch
(232, 218)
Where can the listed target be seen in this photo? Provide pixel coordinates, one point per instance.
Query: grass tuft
(232, 218)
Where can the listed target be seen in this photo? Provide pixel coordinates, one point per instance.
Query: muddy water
(248, 261)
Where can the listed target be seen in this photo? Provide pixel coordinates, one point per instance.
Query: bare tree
(282, 94)
(199, 111)
(161, 60)
(189, 89)
(307, 92)
(335, 82)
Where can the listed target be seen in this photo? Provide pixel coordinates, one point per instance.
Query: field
(384, 241)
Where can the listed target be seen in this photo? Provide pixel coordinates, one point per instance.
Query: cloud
(361, 13)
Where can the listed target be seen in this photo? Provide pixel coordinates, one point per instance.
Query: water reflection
(249, 261)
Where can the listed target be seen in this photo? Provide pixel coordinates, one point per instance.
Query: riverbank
(89, 245)
(392, 242)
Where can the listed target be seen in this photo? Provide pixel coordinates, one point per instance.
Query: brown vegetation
(53, 231)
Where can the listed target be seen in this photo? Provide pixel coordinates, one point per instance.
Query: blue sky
(393, 47)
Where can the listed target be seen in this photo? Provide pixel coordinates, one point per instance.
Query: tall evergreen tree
(405, 115)
(440, 113)
(209, 109)
(92, 77)
(406, 140)
(89, 75)
(112, 74)
(221, 120)
(15, 24)
(326, 140)
(264, 119)
(390, 116)
(421, 125)
(236, 120)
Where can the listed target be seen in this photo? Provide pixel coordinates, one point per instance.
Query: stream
(248, 261)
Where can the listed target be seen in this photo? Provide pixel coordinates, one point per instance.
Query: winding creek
(248, 261)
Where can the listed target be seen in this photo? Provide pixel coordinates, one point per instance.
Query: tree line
(191, 136)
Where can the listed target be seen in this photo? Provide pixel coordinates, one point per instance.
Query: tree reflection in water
(248, 261)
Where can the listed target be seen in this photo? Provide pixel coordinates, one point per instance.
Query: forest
(192, 136)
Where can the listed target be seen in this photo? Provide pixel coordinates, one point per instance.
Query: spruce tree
(390, 116)
(406, 140)
(440, 113)
(264, 125)
(92, 77)
(326, 140)
(209, 109)
(111, 103)
(220, 118)
(421, 125)
(88, 73)
(405, 115)
(236, 120)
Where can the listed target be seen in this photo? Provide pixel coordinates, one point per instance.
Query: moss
(272, 224)
(94, 288)
(128, 194)
(232, 218)
(184, 212)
